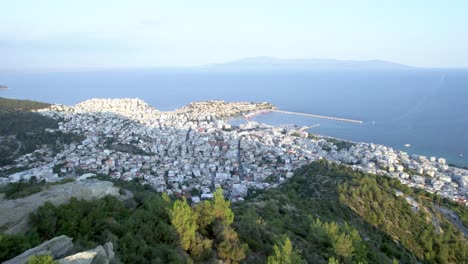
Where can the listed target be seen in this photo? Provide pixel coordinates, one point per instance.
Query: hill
(269, 63)
(23, 131)
(14, 105)
(324, 205)
(324, 213)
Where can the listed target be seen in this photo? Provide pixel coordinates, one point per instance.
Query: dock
(319, 116)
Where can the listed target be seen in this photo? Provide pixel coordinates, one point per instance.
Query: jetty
(261, 112)
(319, 116)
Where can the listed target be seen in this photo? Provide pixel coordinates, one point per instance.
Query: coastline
(339, 131)
(197, 140)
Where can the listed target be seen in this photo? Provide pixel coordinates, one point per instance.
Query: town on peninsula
(195, 149)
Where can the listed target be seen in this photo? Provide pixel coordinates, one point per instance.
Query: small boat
(407, 145)
(461, 155)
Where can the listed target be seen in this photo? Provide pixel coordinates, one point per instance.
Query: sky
(74, 34)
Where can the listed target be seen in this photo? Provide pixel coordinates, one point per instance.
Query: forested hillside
(326, 213)
(23, 131)
(13, 105)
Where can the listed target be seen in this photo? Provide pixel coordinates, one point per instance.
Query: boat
(461, 155)
(407, 145)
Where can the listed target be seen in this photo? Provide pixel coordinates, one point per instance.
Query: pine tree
(185, 222)
(285, 253)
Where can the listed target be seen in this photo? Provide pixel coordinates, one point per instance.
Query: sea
(424, 108)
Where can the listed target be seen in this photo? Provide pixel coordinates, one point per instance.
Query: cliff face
(14, 214)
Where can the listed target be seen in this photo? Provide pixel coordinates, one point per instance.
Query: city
(193, 150)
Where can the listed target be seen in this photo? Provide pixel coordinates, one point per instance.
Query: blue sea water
(425, 108)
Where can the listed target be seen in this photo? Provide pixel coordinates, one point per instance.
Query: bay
(426, 108)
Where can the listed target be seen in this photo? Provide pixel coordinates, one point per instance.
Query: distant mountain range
(269, 63)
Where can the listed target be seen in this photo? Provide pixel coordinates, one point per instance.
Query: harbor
(253, 114)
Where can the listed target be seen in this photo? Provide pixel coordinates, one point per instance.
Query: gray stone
(57, 247)
(93, 256)
(109, 248)
(14, 214)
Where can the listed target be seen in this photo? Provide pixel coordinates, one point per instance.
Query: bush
(44, 259)
(21, 189)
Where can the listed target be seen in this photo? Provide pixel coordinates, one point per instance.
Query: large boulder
(57, 247)
(93, 256)
(14, 214)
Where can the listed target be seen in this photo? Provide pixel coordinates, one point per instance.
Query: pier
(319, 116)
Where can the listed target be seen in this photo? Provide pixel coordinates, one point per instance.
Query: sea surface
(425, 108)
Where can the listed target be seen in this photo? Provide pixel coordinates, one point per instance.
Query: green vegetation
(394, 216)
(459, 209)
(325, 213)
(23, 132)
(340, 144)
(43, 259)
(285, 254)
(13, 245)
(312, 136)
(26, 188)
(205, 230)
(329, 193)
(20, 189)
(13, 105)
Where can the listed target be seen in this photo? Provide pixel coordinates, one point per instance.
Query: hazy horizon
(121, 34)
(222, 65)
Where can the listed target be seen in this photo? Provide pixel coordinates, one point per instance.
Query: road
(453, 218)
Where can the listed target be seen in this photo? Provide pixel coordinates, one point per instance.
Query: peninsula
(195, 150)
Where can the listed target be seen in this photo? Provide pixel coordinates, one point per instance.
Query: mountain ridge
(272, 63)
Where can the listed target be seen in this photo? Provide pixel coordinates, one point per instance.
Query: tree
(285, 254)
(333, 260)
(185, 222)
(222, 208)
(231, 250)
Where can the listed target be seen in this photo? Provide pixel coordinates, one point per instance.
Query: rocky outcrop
(57, 247)
(99, 255)
(14, 214)
(60, 248)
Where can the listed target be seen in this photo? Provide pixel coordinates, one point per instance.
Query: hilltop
(270, 63)
(14, 105)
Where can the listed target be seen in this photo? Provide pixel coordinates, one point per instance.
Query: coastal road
(453, 218)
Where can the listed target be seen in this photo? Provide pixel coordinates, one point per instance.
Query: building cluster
(192, 150)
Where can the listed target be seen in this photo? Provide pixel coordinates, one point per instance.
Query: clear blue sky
(141, 33)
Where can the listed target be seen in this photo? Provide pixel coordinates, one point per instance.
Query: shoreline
(453, 159)
(196, 140)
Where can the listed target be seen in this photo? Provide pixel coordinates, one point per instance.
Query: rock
(14, 214)
(93, 256)
(109, 248)
(57, 247)
(85, 176)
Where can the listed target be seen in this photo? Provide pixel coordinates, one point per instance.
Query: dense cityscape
(195, 149)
